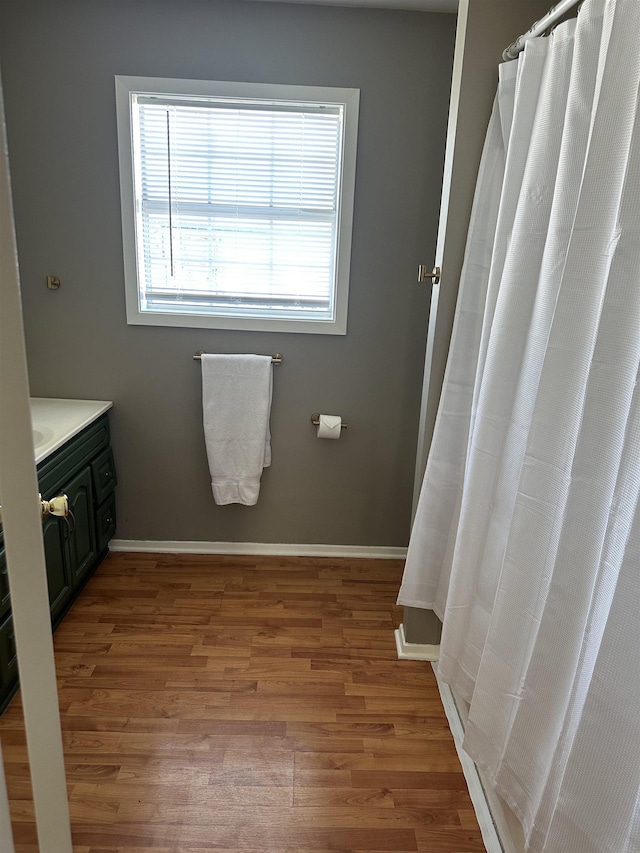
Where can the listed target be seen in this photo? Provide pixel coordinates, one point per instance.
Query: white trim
(22, 530)
(476, 790)
(266, 549)
(497, 808)
(414, 651)
(506, 823)
(424, 440)
(348, 99)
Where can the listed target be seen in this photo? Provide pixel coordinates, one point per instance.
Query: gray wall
(58, 63)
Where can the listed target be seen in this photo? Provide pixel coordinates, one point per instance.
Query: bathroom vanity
(73, 456)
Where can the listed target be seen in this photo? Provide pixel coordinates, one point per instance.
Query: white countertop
(55, 421)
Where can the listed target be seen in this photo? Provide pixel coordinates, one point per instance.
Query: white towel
(236, 403)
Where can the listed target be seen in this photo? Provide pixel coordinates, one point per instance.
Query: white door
(22, 530)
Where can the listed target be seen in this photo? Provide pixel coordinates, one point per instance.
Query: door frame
(484, 29)
(22, 530)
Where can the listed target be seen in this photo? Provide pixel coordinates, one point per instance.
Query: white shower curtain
(527, 535)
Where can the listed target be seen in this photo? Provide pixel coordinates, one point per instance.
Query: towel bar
(276, 358)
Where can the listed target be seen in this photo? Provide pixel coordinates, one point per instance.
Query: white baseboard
(414, 651)
(477, 793)
(266, 549)
(507, 825)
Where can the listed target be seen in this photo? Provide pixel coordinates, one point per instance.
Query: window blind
(236, 206)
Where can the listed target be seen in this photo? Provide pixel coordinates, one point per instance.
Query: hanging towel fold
(236, 404)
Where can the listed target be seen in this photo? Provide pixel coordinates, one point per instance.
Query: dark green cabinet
(5, 598)
(82, 469)
(8, 659)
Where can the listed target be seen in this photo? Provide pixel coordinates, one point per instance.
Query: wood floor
(246, 704)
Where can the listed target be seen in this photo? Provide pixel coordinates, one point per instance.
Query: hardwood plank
(261, 838)
(334, 761)
(308, 743)
(336, 796)
(297, 687)
(447, 839)
(438, 780)
(246, 704)
(342, 729)
(321, 779)
(205, 796)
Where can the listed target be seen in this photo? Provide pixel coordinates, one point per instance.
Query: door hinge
(424, 274)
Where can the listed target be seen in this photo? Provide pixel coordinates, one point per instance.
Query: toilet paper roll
(329, 426)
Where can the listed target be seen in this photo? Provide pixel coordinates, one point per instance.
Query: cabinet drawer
(105, 522)
(103, 470)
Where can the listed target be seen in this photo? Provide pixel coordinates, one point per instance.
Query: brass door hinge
(424, 274)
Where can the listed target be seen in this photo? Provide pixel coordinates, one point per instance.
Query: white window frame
(348, 98)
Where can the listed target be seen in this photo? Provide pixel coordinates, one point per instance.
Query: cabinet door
(5, 598)
(55, 533)
(82, 541)
(8, 659)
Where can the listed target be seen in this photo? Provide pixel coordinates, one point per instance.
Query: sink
(41, 436)
(55, 421)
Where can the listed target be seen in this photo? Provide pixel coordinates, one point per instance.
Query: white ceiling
(420, 5)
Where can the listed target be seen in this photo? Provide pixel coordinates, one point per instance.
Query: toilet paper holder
(315, 420)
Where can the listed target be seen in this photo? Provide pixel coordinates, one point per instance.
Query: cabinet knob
(56, 506)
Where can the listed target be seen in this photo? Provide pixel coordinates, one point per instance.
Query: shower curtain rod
(554, 14)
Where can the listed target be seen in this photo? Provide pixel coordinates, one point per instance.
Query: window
(237, 203)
